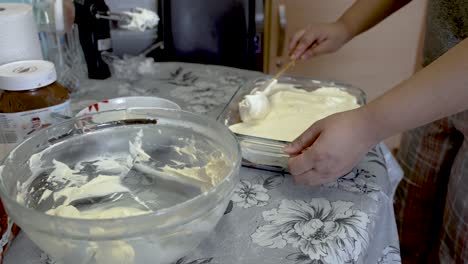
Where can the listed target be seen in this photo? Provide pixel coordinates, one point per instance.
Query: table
(269, 219)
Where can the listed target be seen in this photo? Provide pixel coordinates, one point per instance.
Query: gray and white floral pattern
(273, 181)
(247, 195)
(201, 95)
(46, 259)
(301, 258)
(326, 232)
(375, 155)
(390, 255)
(358, 181)
(196, 261)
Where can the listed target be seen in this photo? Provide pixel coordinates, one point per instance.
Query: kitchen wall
(374, 61)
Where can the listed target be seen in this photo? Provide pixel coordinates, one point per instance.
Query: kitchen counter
(269, 220)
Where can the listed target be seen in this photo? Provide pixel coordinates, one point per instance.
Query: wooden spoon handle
(284, 69)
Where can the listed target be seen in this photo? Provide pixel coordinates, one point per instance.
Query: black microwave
(219, 32)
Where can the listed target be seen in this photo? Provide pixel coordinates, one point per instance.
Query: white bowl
(128, 102)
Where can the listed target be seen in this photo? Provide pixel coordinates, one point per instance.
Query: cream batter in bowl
(264, 121)
(143, 188)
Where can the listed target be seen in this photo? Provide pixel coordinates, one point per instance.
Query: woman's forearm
(439, 90)
(364, 14)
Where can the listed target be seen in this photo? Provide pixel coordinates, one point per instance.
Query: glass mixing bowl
(180, 217)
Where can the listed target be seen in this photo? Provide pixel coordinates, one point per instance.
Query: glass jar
(29, 97)
(59, 39)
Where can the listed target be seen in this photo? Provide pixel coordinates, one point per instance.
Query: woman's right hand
(318, 39)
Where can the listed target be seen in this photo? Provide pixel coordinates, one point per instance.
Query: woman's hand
(318, 39)
(331, 147)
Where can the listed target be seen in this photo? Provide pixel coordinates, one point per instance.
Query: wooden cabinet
(374, 61)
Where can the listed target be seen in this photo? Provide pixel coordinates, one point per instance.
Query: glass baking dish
(267, 154)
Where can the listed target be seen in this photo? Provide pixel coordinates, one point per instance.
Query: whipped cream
(76, 186)
(141, 20)
(110, 169)
(102, 185)
(283, 112)
(113, 212)
(256, 105)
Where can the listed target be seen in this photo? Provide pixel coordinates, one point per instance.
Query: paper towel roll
(18, 33)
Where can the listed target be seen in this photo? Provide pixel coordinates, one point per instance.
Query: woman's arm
(439, 90)
(364, 14)
(318, 39)
(333, 146)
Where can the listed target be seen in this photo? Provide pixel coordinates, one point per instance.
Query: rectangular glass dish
(264, 153)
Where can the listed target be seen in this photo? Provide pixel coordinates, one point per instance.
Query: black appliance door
(218, 32)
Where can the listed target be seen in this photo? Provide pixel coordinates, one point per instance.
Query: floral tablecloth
(269, 219)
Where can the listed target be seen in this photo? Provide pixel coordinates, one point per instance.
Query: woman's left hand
(331, 147)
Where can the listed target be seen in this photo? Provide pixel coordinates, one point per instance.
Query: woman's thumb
(303, 141)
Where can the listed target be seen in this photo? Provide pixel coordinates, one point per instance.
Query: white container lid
(26, 75)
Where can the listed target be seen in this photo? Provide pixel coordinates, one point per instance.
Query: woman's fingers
(311, 177)
(304, 162)
(295, 40)
(306, 139)
(304, 44)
